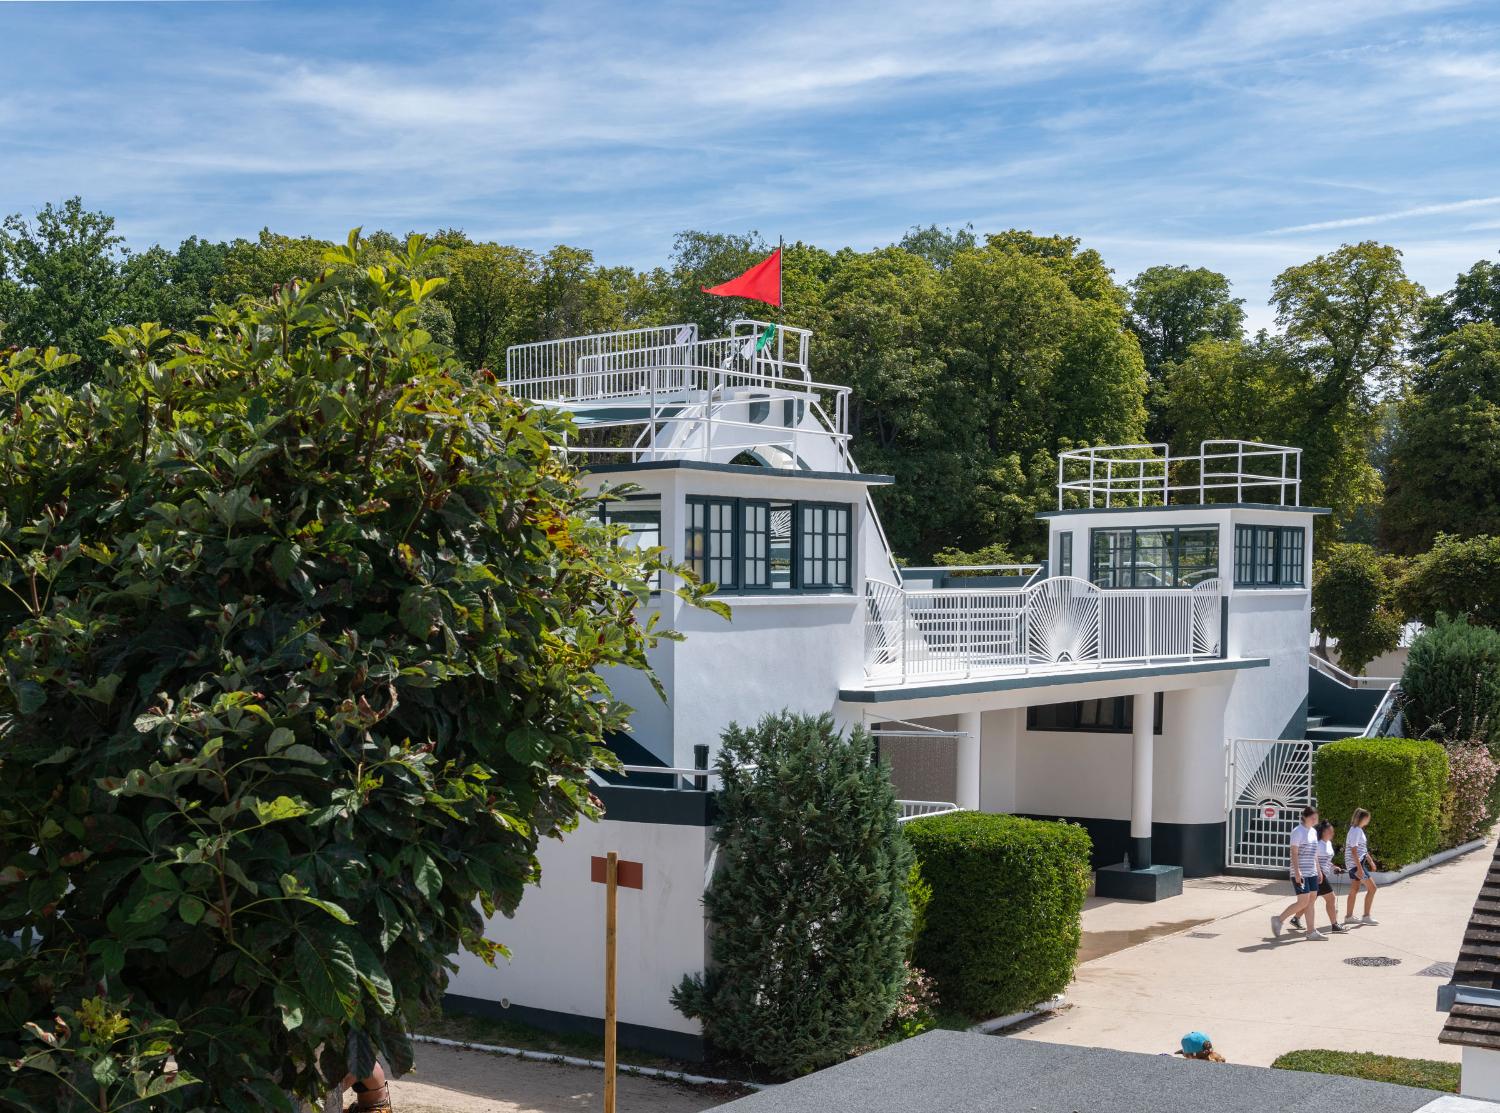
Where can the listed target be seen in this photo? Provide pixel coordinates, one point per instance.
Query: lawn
(1427, 1074)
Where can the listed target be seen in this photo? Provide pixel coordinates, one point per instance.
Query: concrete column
(997, 786)
(967, 778)
(1140, 782)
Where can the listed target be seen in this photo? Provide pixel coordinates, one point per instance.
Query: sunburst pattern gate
(1270, 782)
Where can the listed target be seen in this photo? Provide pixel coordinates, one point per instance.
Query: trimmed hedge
(1400, 781)
(1002, 927)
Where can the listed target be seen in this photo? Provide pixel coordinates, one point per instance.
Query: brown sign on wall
(628, 874)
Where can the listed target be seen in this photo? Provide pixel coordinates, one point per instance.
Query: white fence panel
(1270, 782)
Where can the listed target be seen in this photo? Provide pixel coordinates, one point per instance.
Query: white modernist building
(1108, 686)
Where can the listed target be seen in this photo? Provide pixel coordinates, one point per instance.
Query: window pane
(1197, 556)
(780, 542)
(1111, 557)
(1065, 554)
(753, 544)
(1292, 540)
(1153, 558)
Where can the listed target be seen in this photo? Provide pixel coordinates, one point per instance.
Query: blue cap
(1195, 1043)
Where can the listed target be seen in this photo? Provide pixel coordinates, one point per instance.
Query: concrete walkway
(1207, 960)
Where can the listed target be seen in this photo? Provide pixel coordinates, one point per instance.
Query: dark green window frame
(1270, 556)
(1114, 715)
(643, 523)
(1108, 571)
(822, 545)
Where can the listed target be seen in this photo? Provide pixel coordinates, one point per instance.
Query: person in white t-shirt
(1326, 869)
(1360, 865)
(1307, 875)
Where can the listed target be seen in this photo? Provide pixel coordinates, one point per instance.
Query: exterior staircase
(1321, 729)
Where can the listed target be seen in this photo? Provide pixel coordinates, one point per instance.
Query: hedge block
(1399, 781)
(1002, 927)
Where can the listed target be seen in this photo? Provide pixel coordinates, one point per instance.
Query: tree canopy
(301, 636)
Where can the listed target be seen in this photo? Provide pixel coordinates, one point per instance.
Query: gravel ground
(447, 1080)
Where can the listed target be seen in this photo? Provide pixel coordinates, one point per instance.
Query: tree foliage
(1457, 576)
(300, 637)
(1452, 682)
(1353, 596)
(1444, 472)
(1172, 308)
(809, 906)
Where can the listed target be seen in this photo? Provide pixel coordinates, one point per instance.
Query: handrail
(563, 353)
(1347, 679)
(1384, 717)
(916, 809)
(1057, 624)
(1138, 475)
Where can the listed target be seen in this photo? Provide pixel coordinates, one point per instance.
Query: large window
(642, 520)
(1269, 556)
(1169, 557)
(762, 545)
(1065, 554)
(823, 541)
(1091, 716)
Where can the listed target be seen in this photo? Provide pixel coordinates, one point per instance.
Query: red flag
(761, 282)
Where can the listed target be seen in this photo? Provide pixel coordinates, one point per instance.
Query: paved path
(1207, 960)
(447, 1080)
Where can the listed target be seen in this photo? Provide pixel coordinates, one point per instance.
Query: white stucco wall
(1480, 1077)
(557, 936)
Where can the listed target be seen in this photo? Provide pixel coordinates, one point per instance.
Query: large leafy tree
(1474, 299)
(1172, 308)
(60, 281)
(491, 295)
(1458, 576)
(1354, 603)
(1444, 469)
(301, 631)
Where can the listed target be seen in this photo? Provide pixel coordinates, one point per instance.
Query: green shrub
(1469, 798)
(1003, 924)
(301, 631)
(1452, 682)
(809, 906)
(1400, 781)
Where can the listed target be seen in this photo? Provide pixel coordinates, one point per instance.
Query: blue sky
(1245, 137)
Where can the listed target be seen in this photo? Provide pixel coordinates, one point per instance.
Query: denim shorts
(1305, 885)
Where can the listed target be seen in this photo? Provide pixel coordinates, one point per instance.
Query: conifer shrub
(1400, 781)
(809, 904)
(1452, 682)
(1002, 927)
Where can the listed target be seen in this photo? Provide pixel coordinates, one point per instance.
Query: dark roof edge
(1195, 507)
(869, 479)
(1012, 683)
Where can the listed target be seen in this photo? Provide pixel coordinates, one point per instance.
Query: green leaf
(301, 752)
(290, 1005)
(190, 908)
(283, 807)
(280, 739)
(106, 1070)
(327, 974)
(30, 696)
(152, 906)
(426, 875)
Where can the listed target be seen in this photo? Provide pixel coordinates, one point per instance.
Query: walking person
(1326, 870)
(1302, 851)
(1360, 865)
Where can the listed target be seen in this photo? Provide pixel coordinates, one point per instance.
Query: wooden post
(611, 882)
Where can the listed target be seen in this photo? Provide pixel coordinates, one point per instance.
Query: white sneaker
(1371, 920)
(1276, 926)
(1314, 933)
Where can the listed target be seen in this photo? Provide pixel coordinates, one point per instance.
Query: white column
(1143, 714)
(967, 778)
(997, 785)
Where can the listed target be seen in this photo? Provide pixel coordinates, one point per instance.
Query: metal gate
(1270, 782)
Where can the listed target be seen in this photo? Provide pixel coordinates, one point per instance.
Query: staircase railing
(1347, 679)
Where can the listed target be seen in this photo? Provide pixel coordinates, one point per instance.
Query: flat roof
(1193, 507)
(965, 1072)
(879, 693)
(869, 479)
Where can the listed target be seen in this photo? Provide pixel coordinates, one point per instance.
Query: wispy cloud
(1387, 217)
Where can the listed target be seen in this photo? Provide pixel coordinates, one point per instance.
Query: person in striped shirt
(1302, 855)
(1326, 869)
(1360, 865)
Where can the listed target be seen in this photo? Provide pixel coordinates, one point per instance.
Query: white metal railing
(1386, 720)
(1057, 624)
(914, 809)
(555, 357)
(1028, 572)
(1347, 679)
(1136, 475)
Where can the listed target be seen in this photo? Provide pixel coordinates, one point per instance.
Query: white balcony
(1053, 626)
(1123, 476)
(662, 393)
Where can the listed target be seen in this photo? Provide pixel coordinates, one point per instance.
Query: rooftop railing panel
(1060, 624)
(1127, 476)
